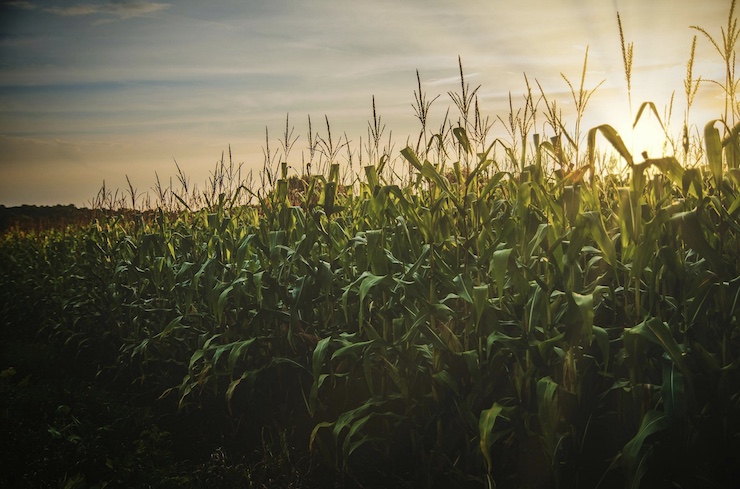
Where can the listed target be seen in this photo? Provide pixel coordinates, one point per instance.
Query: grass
(466, 313)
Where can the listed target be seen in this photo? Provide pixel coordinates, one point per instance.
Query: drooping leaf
(657, 332)
(585, 304)
(592, 222)
(485, 432)
(670, 167)
(653, 109)
(633, 452)
(464, 287)
(500, 264)
(731, 143)
(319, 354)
(411, 157)
(462, 138)
(611, 135)
(691, 183)
(238, 349)
(692, 233)
(171, 326)
(713, 146)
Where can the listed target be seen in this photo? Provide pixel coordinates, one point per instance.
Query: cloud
(449, 79)
(123, 9)
(21, 4)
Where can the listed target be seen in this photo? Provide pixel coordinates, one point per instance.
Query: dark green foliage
(505, 328)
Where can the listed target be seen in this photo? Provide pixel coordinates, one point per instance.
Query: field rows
(529, 328)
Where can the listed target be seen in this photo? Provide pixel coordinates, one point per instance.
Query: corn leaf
(633, 453)
(411, 157)
(692, 233)
(732, 148)
(657, 332)
(713, 146)
(611, 135)
(485, 432)
(462, 138)
(592, 222)
(499, 264)
(319, 354)
(673, 392)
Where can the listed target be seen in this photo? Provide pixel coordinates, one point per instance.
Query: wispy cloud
(449, 79)
(21, 4)
(123, 9)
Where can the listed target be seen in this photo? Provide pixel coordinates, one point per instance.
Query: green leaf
(238, 349)
(330, 191)
(734, 206)
(175, 323)
(194, 358)
(693, 235)
(410, 156)
(397, 378)
(548, 410)
(346, 419)
(221, 303)
(657, 332)
(319, 354)
(499, 264)
(450, 339)
(462, 138)
(732, 148)
(592, 222)
(250, 376)
(602, 340)
(670, 167)
(376, 251)
(611, 135)
(371, 174)
(628, 220)
(463, 286)
(314, 432)
(691, 183)
(539, 236)
(432, 174)
(585, 304)
(485, 432)
(491, 185)
(652, 422)
(713, 145)
(368, 282)
(673, 392)
(351, 349)
(535, 306)
(367, 368)
(480, 302)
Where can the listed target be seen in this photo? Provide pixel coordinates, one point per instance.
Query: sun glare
(648, 138)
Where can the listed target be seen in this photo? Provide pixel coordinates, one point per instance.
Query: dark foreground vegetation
(478, 319)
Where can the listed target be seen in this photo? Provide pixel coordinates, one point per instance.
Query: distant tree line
(33, 218)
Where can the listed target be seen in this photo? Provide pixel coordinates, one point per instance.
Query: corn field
(484, 318)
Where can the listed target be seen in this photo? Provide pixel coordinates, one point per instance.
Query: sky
(96, 91)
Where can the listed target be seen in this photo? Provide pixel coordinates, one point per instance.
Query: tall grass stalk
(726, 48)
(627, 58)
(581, 98)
